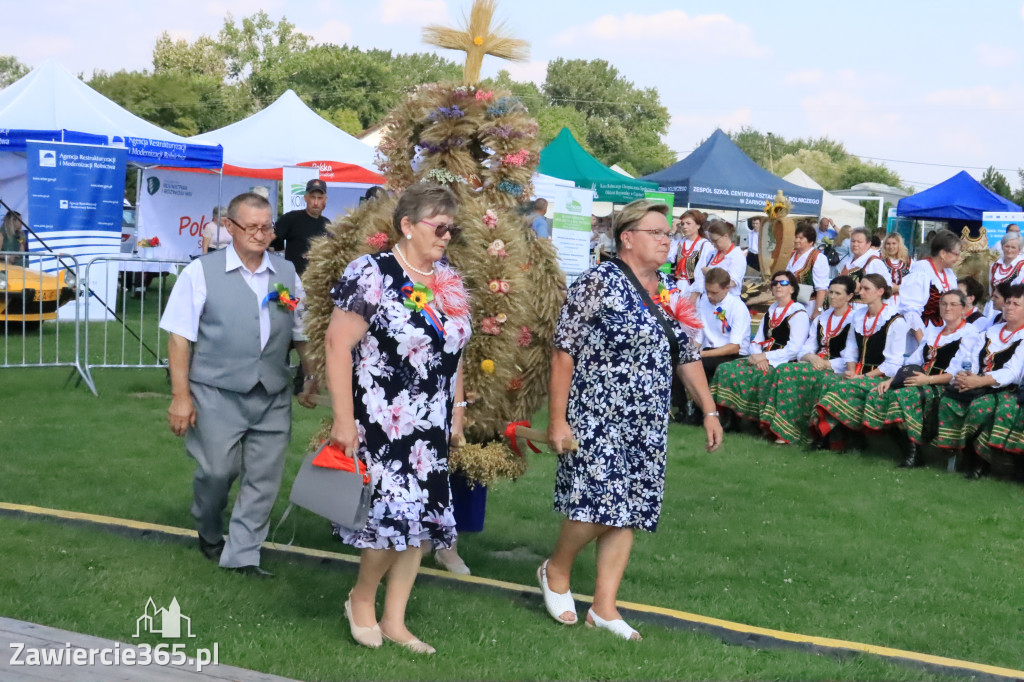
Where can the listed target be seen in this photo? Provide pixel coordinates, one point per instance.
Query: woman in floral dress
(611, 377)
(394, 345)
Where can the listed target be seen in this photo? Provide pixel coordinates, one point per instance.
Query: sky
(928, 88)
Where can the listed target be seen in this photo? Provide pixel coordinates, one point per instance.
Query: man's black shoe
(211, 550)
(253, 571)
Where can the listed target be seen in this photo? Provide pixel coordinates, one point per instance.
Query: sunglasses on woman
(780, 283)
(439, 230)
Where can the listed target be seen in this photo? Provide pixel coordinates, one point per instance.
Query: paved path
(54, 641)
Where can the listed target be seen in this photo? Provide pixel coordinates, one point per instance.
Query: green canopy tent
(565, 159)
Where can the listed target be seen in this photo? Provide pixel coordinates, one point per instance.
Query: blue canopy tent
(51, 104)
(718, 174)
(959, 198)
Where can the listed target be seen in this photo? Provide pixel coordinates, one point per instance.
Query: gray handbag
(332, 485)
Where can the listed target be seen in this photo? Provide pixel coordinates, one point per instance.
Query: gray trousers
(237, 434)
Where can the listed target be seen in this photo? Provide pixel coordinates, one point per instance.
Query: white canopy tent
(842, 212)
(287, 133)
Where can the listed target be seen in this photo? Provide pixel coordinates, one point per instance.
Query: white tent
(841, 212)
(288, 133)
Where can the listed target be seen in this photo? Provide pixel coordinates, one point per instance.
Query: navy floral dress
(404, 386)
(618, 403)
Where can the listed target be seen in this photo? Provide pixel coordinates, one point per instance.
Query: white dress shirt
(820, 272)
(799, 324)
(931, 333)
(733, 262)
(875, 267)
(811, 346)
(895, 338)
(970, 350)
(185, 304)
(915, 289)
(736, 315)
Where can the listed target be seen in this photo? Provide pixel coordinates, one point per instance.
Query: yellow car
(31, 296)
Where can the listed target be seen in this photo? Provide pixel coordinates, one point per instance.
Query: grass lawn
(839, 546)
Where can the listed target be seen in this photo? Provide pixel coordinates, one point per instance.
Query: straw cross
(477, 38)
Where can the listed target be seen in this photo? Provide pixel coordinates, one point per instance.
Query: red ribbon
(510, 433)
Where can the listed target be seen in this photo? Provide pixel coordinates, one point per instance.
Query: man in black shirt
(295, 229)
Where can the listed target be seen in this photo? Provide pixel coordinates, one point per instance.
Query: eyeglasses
(780, 283)
(253, 229)
(439, 230)
(657, 234)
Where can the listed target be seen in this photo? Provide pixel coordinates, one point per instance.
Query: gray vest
(227, 352)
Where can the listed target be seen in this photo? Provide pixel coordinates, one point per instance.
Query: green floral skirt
(1008, 426)
(844, 404)
(789, 409)
(742, 388)
(909, 407)
(958, 423)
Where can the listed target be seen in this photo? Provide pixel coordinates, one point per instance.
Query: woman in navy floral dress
(610, 389)
(393, 367)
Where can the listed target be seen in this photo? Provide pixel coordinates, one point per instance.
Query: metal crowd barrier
(38, 326)
(122, 319)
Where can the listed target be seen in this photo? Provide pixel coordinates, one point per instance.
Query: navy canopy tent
(719, 175)
(959, 198)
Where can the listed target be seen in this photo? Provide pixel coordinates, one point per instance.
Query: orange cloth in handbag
(333, 457)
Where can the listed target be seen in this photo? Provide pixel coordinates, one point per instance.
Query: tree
(11, 69)
(203, 58)
(174, 101)
(257, 46)
(625, 124)
(1018, 196)
(997, 182)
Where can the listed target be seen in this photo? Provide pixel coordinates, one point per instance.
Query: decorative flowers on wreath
(497, 249)
(517, 159)
(491, 219)
(509, 187)
(525, 337)
(487, 366)
(498, 286)
(378, 241)
(490, 325)
(484, 95)
(442, 176)
(454, 111)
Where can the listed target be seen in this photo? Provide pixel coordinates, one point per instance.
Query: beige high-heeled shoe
(414, 645)
(369, 637)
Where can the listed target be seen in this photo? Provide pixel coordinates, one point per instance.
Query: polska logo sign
(297, 195)
(152, 185)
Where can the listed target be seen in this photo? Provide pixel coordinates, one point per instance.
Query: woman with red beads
(873, 352)
(927, 280)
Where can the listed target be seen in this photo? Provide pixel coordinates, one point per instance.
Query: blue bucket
(469, 504)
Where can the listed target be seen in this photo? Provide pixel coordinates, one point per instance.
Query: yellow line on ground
(782, 635)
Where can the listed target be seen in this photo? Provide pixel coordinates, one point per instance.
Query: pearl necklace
(405, 261)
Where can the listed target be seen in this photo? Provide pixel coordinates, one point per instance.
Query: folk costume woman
(994, 364)
(726, 255)
(611, 371)
(725, 336)
(927, 281)
(975, 293)
(1009, 268)
(799, 385)
(743, 385)
(810, 267)
(394, 347)
(873, 352)
(914, 405)
(896, 259)
(693, 247)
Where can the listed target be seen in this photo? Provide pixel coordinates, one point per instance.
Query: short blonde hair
(634, 212)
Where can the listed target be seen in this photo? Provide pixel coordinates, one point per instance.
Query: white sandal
(618, 627)
(556, 604)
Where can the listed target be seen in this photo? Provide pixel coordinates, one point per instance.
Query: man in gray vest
(230, 394)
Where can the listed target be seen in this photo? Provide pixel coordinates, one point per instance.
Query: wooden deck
(38, 637)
